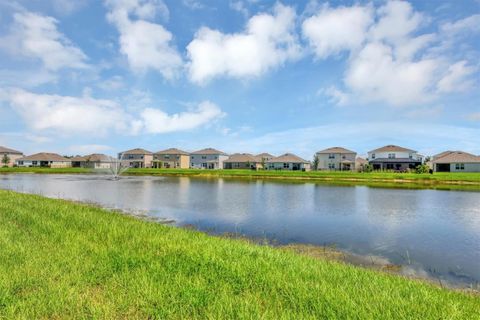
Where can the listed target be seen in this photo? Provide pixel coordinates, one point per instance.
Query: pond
(435, 233)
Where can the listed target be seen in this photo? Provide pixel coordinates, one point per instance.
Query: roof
(210, 151)
(288, 157)
(395, 160)
(8, 150)
(392, 148)
(361, 160)
(441, 154)
(458, 156)
(94, 157)
(265, 155)
(45, 156)
(137, 151)
(336, 150)
(243, 157)
(173, 151)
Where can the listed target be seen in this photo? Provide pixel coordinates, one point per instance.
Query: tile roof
(172, 151)
(392, 148)
(336, 150)
(243, 157)
(8, 150)
(210, 151)
(45, 156)
(288, 157)
(265, 155)
(137, 151)
(457, 157)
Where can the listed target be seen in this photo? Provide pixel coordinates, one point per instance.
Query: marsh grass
(60, 259)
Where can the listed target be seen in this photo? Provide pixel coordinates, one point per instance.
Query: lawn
(60, 259)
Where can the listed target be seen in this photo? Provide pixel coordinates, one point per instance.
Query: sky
(89, 76)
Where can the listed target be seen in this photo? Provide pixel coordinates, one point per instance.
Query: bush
(367, 168)
(423, 168)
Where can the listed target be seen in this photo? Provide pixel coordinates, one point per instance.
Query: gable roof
(392, 148)
(8, 150)
(441, 154)
(336, 150)
(360, 160)
(137, 151)
(45, 156)
(172, 151)
(94, 157)
(456, 157)
(210, 151)
(288, 157)
(243, 157)
(264, 155)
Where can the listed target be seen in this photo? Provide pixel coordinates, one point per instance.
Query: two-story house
(393, 157)
(336, 158)
(171, 159)
(136, 158)
(9, 156)
(207, 159)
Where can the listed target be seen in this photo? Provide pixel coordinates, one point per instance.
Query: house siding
(326, 162)
(207, 161)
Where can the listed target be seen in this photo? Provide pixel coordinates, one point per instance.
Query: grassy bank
(62, 260)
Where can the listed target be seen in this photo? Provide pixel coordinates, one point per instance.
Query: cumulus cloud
(157, 121)
(389, 59)
(469, 24)
(146, 45)
(89, 148)
(268, 41)
(36, 36)
(98, 117)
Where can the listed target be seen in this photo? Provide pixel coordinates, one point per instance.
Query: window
(286, 165)
(204, 157)
(34, 163)
(390, 166)
(459, 166)
(167, 156)
(20, 163)
(391, 156)
(373, 155)
(331, 156)
(331, 166)
(410, 155)
(193, 157)
(344, 157)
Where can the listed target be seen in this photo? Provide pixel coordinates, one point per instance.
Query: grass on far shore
(60, 259)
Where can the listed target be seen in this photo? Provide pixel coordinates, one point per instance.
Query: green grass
(65, 260)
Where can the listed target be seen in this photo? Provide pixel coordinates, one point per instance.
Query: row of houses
(389, 157)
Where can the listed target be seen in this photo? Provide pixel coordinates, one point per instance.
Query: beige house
(207, 159)
(93, 161)
(360, 163)
(171, 158)
(10, 155)
(137, 158)
(336, 158)
(288, 161)
(393, 157)
(44, 159)
(243, 161)
(456, 161)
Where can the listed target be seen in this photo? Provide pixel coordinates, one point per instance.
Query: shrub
(423, 168)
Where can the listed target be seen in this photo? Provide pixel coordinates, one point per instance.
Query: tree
(5, 160)
(315, 162)
(367, 168)
(263, 163)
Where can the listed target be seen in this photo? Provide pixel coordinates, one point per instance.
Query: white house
(336, 158)
(456, 161)
(393, 157)
(207, 159)
(288, 161)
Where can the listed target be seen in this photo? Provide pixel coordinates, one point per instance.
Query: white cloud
(157, 121)
(67, 115)
(469, 24)
(193, 4)
(333, 30)
(239, 6)
(146, 45)
(268, 41)
(336, 96)
(457, 78)
(89, 148)
(66, 7)
(36, 36)
(113, 83)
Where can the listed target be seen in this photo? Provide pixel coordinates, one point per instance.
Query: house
(137, 158)
(456, 161)
(393, 157)
(9, 156)
(336, 158)
(171, 158)
(288, 161)
(360, 163)
(44, 159)
(93, 161)
(264, 157)
(243, 161)
(207, 159)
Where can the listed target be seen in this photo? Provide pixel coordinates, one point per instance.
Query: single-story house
(393, 157)
(171, 158)
(9, 156)
(94, 161)
(44, 159)
(456, 161)
(336, 158)
(288, 161)
(136, 158)
(243, 161)
(208, 158)
(360, 163)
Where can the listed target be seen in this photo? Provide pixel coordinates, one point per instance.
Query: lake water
(435, 233)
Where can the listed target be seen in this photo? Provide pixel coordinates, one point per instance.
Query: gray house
(395, 158)
(288, 161)
(207, 159)
(456, 161)
(336, 158)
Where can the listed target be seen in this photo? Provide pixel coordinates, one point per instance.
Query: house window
(204, 157)
(410, 155)
(331, 166)
(271, 166)
(373, 155)
(343, 157)
(20, 163)
(286, 165)
(331, 156)
(390, 166)
(391, 156)
(459, 166)
(167, 156)
(34, 163)
(193, 157)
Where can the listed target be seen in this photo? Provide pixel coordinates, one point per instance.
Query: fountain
(117, 167)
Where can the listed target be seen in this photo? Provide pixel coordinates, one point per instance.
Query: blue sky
(84, 76)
